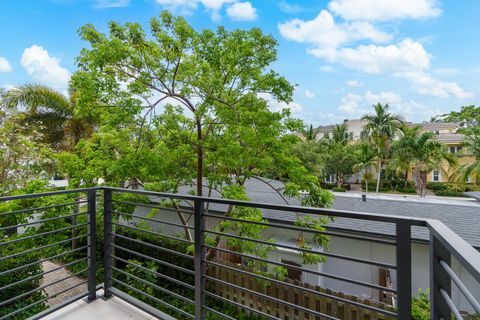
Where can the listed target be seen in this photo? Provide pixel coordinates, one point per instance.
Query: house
(445, 132)
(462, 216)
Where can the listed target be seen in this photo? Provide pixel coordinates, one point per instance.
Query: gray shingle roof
(463, 217)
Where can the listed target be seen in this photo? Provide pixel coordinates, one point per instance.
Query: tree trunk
(421, 180)
(379, 173)
(199, 158)
(366, 181)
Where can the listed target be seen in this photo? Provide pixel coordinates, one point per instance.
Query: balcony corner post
(439, 279)
(200, 255)
(92, 244)
(108, 238)
(404, 270)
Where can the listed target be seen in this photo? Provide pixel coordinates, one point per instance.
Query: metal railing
(144, 266)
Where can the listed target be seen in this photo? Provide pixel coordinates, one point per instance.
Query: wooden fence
(298, 297)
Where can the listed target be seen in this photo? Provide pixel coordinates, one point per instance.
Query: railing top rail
(468, 256)
(288, 208)
(46, 194)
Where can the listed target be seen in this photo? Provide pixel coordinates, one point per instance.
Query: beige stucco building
(447, 133)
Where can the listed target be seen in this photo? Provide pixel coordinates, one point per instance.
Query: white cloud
(406, 55)
(242, 11)
(309, 94)
(277, 106)
(371, 10)
(425, 83)
(8, 86)
(44, 68)
(349, 103)
(326, 36)
(357, 105)
(354, 83)
(236, 11)
(289, 7)
(326, 68)
(111, 3)
(407, 59)
(5, 65)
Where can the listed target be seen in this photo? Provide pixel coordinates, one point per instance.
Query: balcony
(131, 265)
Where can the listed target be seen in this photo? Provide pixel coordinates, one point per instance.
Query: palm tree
(52, 112)
(380, 129)
(309, 134)
(424, 154)
(366, 157)
(340, 134)
(472, 147)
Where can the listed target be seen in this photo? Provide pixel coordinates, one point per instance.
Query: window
(330, 178)
(436, 175)
(292, 273)
(325, 134)
(437, 132)
(453, 149)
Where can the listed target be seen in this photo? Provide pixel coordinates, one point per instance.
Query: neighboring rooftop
(462, 216)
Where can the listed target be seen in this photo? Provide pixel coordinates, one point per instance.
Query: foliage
(421, 306)
(339, 189)
(472, 146)
(22, 158)
(186, 108)
(380, 130)
(34, 271)
(467, 117)
(425, 154)
(51, 112)
(445, 193)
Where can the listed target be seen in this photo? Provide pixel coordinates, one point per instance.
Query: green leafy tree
(425, 154)
(21, 157)
(380, 129)
(185, 107)
(366, 158)
(467, 117)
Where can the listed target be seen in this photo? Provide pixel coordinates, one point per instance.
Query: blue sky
(421, 56)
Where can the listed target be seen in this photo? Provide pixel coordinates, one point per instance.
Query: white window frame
(438, 175)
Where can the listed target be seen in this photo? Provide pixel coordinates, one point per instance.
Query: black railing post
(108, 237)
(439, 279)
(200, 255)
(92, 244)
(404, 270)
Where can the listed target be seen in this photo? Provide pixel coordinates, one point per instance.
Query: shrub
(421, 306)
(436, 186)
(445, 193)
(331, 186)
(337, 189)
(407, 190)
(23, 287)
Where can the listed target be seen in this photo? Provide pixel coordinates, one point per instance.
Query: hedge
(23, 287)
(337, 189)
(444, 193)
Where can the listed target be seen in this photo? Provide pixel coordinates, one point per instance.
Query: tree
(424, 154)
(467, 117)
(309, 134)
(380, 129)
(338, 155)
(190, 111)
(21, 157)
(366, 157)
(472, 148)
(52, 113)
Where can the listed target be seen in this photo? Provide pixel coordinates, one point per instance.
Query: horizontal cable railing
(56, 227)
(197, 257)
